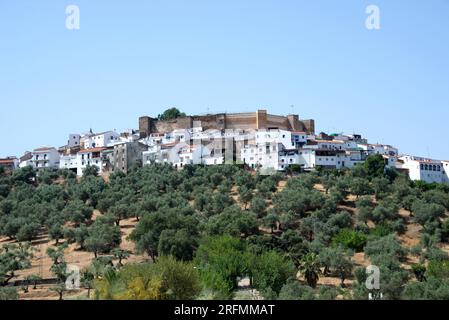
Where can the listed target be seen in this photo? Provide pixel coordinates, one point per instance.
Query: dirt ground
(41, 263)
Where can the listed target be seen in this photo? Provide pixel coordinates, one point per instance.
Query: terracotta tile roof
(7, 161)
(99, 149)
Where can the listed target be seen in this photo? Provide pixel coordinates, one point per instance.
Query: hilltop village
(259, 140)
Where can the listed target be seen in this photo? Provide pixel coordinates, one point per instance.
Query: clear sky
(133, 58)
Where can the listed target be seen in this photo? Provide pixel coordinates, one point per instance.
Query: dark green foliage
(90, 171)
(375, 165)
(166, 225)
(102, 237)
(233, 221)
(8, 293)
(432, 289)
(234, 224)
(424, 213)
(350, 239)
(220, 261)
(271, 271)
(387, 245)
(171, 114)
(293, 290)
(419, 271)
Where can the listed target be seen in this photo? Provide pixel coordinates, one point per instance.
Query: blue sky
(133, 58)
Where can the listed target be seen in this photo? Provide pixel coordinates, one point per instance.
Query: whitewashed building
(101, 140)
(69, 162)
(426, 170)
(74, 140)
(382, 149)
(262, 156)
(274, 136)
(445, 165)
(45, 158)
(9, 163)
(326, 145)
(94, 157)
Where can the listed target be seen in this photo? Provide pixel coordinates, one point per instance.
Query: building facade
(45, 158)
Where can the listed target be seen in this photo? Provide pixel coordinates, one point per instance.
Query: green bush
(350, 239)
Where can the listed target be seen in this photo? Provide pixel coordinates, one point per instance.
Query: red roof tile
(99, 149)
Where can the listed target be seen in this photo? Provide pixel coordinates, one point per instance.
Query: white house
(69, 162)
(326, 145)
(25, 160)
(287, 158)
(45, 157)
(94, 157)
(101, 140)
(262, 156)
(74, 140)
(422, 169)
(300, 138)
(182, 155)
(158, 153)
(274, 136)
(333, 159)
(9, 163)
(445, 165)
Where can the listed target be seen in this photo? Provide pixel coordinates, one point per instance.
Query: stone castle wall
(243, 121)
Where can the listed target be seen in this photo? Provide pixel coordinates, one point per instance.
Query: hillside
(321, 229)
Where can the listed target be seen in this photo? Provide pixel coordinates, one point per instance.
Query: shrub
(350, 239)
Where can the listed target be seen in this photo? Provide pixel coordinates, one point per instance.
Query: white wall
(74, 140)
(106, 139)
(446, 171)
(68, 162)
(45, 159)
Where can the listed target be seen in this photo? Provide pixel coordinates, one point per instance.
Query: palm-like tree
(310, 268)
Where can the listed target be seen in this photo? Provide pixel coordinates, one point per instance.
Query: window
(422, 166)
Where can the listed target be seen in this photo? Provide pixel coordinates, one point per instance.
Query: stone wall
(243, 121)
